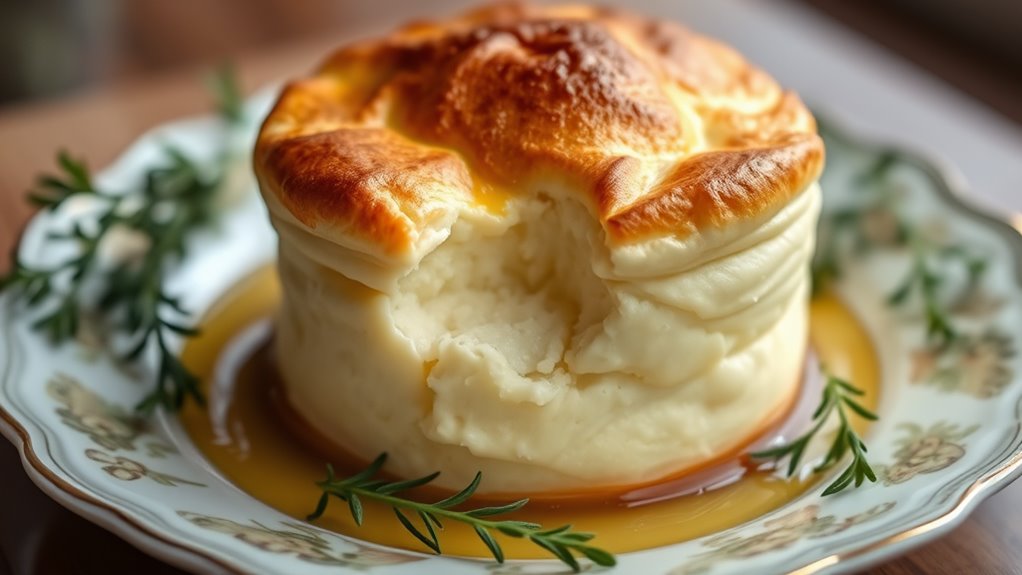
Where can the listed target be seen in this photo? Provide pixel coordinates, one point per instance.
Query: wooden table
(38, 536)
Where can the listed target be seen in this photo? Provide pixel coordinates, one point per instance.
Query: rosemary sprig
(561, 542)
(175, 199)
(228, 99)
(838, 398)
(923, 276)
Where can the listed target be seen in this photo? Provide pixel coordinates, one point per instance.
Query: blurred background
(51, 48)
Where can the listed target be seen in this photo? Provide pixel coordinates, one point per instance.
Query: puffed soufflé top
(659, 131)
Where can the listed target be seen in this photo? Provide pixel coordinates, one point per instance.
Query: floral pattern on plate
(129, 470)
(924, 451)
(107, 425)
(301, 541)
(976, 365)
(779, 533)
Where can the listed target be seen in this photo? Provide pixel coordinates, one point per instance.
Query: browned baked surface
(659, 130)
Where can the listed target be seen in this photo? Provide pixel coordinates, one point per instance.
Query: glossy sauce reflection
(243, 433)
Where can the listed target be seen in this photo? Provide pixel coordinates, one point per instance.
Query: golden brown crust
(712, 189)
(385, 187)
(390, 133)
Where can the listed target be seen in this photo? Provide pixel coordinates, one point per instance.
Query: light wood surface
(36, 535)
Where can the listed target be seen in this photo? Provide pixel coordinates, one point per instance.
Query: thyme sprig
(839, 398)
(175, 199)
(561, 542)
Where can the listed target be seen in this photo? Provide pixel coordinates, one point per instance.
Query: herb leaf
(227, 94)
(174, 200)
(878, 219)
(838, 396)
(560, 542)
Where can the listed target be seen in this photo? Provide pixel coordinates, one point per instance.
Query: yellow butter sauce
(492, 197)
(242, 433)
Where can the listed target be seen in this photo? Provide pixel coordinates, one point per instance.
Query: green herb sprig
(561, 542)
(175, 199)
(839, 397)
(845, 226)
(924, 278)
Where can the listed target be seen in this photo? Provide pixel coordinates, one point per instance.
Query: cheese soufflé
(565, 246)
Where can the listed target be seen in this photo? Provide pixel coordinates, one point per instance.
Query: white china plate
(949, 432)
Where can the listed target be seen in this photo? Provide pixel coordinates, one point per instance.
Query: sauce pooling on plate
(246, 432)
